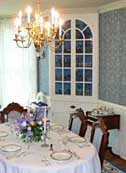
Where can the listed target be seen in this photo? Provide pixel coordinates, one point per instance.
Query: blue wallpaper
(112, 56)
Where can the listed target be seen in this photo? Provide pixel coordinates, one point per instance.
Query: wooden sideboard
(111, 121)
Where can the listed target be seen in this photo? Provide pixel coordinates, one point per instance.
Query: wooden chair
(12, 110)
(99, 137)
(77, 122)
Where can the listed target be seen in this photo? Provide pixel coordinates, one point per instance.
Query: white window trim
(89, 20)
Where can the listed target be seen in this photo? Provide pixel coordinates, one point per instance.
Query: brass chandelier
(39, 30)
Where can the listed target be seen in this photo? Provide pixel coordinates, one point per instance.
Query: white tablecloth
(36, 159)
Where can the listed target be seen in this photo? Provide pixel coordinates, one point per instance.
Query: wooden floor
(116, 159)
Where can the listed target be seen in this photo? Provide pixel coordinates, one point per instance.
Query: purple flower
(20, 120)
(40, 113)
(29, 133)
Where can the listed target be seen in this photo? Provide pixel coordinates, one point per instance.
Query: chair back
(11, 112)
(88, 132)
(77, 122)
(99, 137)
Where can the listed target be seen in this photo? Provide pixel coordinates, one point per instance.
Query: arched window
(73, 60)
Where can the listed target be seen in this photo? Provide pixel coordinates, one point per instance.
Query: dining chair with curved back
(77, 122)
(88, 129)
(99, 137)
(12, 111)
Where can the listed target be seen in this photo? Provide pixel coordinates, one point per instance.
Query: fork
(74, 154)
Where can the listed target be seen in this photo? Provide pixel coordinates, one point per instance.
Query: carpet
(111, 168)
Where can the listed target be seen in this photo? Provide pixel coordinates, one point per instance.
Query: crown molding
(78, 10)
(112, 6)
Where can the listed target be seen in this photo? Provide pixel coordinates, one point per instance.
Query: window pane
(66, 25)
(88, 75)
(67, 88)
(88, 46)
(59, 49)
(81, 25)
(67, 35)
(79, 35)
(67, 46)
(58, 88)
(67, 61)
(58, 74)
(88, 60)
(79, 75)
(79, 60)
(79, 46)
(79, 89)
(87, 33)
(88, 89)
(58, 61)
(67, 74)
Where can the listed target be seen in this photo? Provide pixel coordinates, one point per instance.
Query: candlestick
(45, 120)
(44, 134)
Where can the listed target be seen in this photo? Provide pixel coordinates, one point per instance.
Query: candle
(16, 24)
(44, 120)
(48, 28)
(41, 23)
(53, 15)
(60, 27)
(19, 17)
(28, 11)
(56, 18)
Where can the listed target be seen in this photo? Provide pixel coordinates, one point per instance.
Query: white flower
(29, 128)
(24, 124)
(20, 135)
(40, 122)
(40, 128)
(42, 137)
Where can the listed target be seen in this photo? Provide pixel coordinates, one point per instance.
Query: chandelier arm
(22, 45)
(56, 47)
(18, 42)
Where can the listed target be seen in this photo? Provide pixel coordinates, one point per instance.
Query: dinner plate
(56, 127)
(10, 148)
(61, 155)
(3, 133)
(77, 139)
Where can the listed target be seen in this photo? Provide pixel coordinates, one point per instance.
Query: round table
(33, 158)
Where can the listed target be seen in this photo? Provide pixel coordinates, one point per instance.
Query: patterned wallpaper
(112, 56)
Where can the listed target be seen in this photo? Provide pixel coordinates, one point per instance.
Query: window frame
(89, 20)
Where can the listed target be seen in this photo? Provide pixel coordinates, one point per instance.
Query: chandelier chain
(38, 6)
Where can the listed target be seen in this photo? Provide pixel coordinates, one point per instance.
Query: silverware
(74, 154)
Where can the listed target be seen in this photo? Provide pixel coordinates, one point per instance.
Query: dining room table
(66, 152)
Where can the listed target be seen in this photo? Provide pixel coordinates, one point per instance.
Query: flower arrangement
(31, 125)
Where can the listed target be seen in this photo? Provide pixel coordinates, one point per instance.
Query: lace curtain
(17, 68)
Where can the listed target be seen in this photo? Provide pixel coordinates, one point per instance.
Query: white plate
(3, 133)
(56, 127)
(61, 155)
(10, 148)
(77, 139)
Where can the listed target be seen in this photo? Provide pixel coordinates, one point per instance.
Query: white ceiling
(11, 7)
